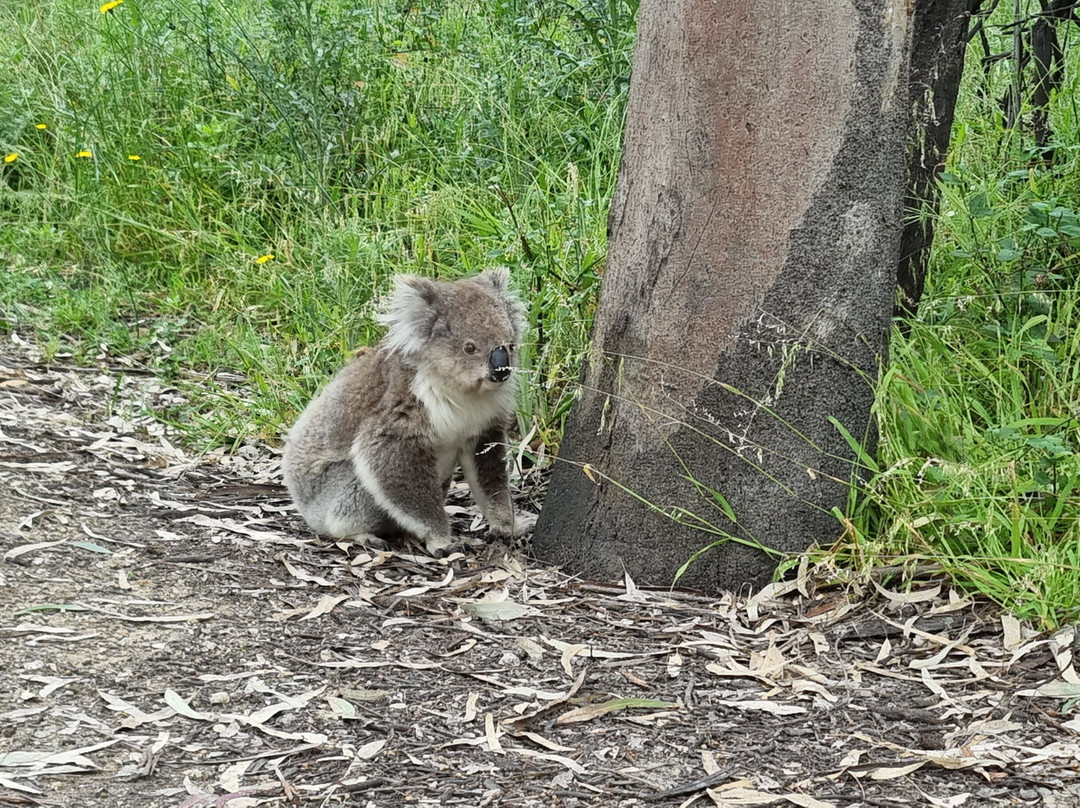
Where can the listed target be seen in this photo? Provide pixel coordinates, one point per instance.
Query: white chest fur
(456, 417)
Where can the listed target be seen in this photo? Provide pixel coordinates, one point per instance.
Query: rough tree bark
(939, 43)
(755, 236)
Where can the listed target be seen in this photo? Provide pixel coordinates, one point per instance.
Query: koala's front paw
(524, 523)
(511, 525)
(370, 541)
(439, 546)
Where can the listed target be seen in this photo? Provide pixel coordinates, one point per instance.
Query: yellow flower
(105, 9)
(134, 157)
(40, 126)
(85, 153)
(11, 158)
(262, 259)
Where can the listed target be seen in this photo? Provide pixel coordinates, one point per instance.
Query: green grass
(979, 408)
(355, 140)
(348, 142)
(979, 466)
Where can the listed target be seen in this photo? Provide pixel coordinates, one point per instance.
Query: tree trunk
(937, 63)
(755, 236)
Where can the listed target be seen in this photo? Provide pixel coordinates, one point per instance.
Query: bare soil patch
(171, 635)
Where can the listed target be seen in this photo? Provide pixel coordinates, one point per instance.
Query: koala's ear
(498, 279)
(409, 313)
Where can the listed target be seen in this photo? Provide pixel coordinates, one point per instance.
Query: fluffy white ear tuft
(498, 278)
(408, 313)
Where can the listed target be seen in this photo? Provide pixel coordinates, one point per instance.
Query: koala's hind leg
(484, 466)
(335, 503)
(403, 481)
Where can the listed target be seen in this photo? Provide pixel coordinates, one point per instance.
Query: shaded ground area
(171, 635)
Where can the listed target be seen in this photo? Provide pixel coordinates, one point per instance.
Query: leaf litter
(172, 635)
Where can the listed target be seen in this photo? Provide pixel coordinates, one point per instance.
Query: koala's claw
(371, 541)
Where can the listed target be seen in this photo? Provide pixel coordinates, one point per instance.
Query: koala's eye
(470, 347)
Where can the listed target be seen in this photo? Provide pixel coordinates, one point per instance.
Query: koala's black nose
(500, 363)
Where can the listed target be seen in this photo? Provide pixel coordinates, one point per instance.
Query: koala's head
(461, 334)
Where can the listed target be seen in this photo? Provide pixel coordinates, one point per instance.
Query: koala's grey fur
(373, 454)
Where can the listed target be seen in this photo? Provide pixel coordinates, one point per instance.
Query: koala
(373, 454)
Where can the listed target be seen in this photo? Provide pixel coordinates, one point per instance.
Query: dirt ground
(172, 635)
